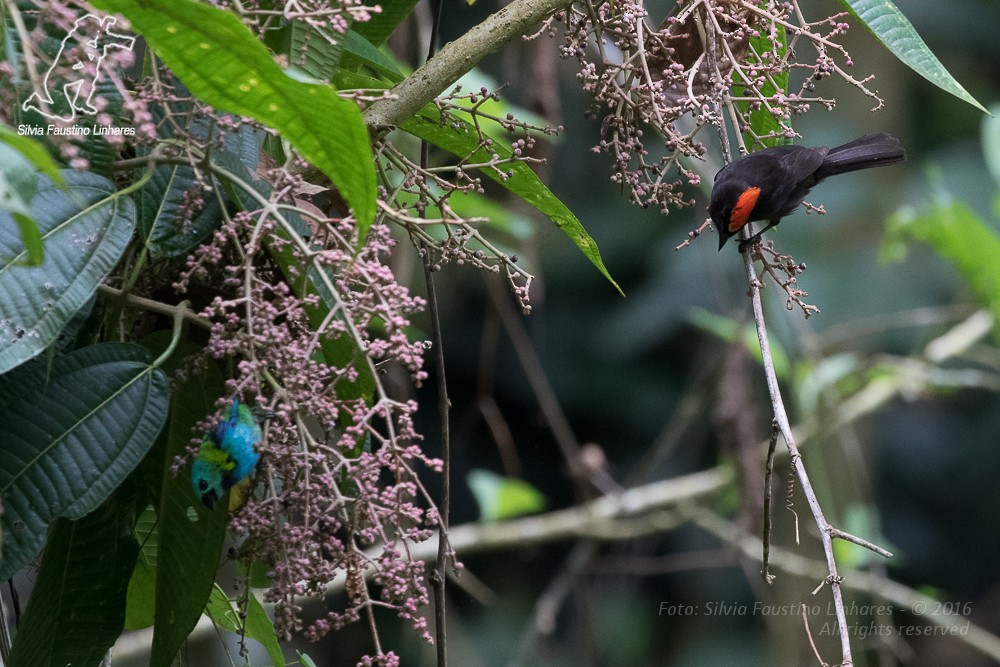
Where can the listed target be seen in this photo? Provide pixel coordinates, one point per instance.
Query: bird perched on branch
(771, 183)
(226, 456)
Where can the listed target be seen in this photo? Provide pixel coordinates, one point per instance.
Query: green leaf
(517, 177)
(762, 121)
(165, 217)
(18, 185)
(141, 598)
(261, 629)
(72, 431)
(31, 236)
(257, 625)
(503, 497)
(382, 24)
(241, 185)
(190, 536)
(85, 229)
(359, 51)
(33, 151)
(311, 52)
(18, 180)
(958, 235)
(168, 229)
(522, 181)
(96, 148)
(898, 35)
(222, 63)
(77, 607)
(221, 610)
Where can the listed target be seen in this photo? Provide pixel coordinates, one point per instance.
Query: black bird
(771, 183)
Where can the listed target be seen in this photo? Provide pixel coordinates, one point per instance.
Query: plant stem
(457, 58)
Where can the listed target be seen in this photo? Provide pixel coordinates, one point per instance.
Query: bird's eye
(203, 484)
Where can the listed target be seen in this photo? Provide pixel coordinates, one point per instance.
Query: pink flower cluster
(708, 62)
(337, 491)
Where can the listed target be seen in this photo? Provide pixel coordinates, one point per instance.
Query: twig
(847, 537)
(152, 306)
(693, 234)
(439, 576)
(768, 470)
(781, 419)
(809, 635)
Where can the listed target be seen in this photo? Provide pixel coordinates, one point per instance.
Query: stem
(444, 407)
(457, 58)
(440, 577)
(768, 471)
(781, 420)
(179, 313)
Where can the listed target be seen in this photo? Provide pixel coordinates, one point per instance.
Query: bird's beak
(209, 499)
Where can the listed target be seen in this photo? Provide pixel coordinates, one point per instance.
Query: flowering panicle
(337, 485)
(710, 62)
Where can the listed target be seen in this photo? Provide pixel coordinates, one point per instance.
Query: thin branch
(781, 419)
(847, 537)
(768, 471)
(439, 576)
(152, 306)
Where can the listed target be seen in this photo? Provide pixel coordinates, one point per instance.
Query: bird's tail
(871, 150)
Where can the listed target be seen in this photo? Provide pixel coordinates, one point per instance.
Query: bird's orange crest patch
(741, 212)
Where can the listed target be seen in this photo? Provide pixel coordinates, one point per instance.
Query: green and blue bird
(226, 456)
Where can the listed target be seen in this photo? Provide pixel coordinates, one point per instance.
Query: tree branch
(457, 58)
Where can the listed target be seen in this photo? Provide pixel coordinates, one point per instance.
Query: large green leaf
(221, 62)
(141, 597)
(70, 433)
(95, 148)
(77, 608)
(190, 535)
(311, 52)
(898, 35)
(359, 51)
(85, 229)
(378, 28)
(165, 223)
